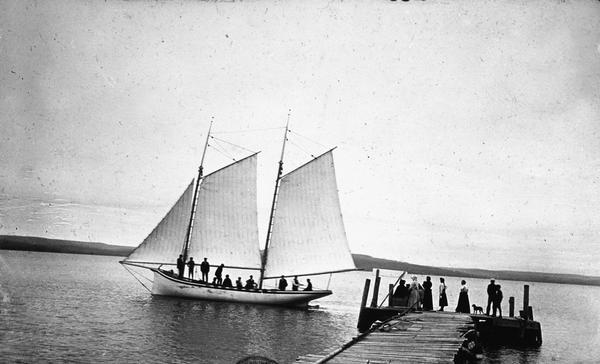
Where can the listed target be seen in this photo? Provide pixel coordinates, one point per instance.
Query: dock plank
(416, 337)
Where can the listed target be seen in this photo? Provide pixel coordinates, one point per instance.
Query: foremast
(273, 204)
(188, 236)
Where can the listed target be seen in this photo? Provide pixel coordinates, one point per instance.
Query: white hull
(166, 285)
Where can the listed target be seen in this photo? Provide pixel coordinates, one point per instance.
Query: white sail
(225, 225)
(308, 235)
(165, 242)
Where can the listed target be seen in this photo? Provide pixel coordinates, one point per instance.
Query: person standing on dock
(282, 283)
(205, 268)
(401, 294)
(428, 297)
(414, 300)
(443, 301)
(491, 291)
(498, 301)
(180, 266)
(191, 265)
(463, 298)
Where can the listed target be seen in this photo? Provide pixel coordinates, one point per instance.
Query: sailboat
(216, 217)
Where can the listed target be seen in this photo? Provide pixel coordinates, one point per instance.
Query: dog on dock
(477, 309)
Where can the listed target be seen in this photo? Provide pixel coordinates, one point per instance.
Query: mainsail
(225, 226)
(308, 235)
(164, 243)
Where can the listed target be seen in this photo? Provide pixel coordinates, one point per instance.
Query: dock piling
(511, 307)
(365, 295)
(375, 289)
(390, 294)
(525, 301)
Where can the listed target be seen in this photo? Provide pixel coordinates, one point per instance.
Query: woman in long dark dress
(443, 301)
(463, 298)
(428, 298)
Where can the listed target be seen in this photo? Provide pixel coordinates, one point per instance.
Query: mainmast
(188, 235)
(270, 227)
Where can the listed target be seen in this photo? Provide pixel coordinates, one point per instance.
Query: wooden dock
(416, 337)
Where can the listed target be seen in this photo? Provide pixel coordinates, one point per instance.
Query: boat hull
(167, 285)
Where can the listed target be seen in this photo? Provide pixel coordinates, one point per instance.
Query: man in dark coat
(191, 265)
(218, 274)
(282, 283)
(491, 291)
(180, 266)
(498, 301)
(205, 268)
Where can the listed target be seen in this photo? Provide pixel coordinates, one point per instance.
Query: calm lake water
(82, 308)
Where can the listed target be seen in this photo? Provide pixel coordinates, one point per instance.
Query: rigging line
(221, 151)
(230, 143)
(301, 149)
(307, 138)
(387, 297)
(136, 278)
(246, 130)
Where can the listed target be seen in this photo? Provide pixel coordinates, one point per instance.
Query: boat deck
(417, 337)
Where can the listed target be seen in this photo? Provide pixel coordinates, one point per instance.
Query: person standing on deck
(463, 298)
(443, 301)
(205, 268)
(218, 275)
(491, 291)
(180, 266)
(191, 265)
(282, 283)
(498, 301)
(308, 285)
(295, 284)
(428, 297)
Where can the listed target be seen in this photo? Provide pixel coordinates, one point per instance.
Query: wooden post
(525, 301)
(363, 303)
(390, 295)
(511, 307)
(530, 313)
(375, 289)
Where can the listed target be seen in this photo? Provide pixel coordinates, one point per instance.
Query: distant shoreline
(363, 262)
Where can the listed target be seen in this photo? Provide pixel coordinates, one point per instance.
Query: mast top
(201, 168)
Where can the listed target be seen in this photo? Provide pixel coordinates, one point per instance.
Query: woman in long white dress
(414, 300)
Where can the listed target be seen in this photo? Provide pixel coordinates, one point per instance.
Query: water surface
(82, 308)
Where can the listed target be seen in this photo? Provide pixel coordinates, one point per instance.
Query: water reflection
(221, 331)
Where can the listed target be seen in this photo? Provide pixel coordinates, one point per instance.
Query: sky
(467, 133)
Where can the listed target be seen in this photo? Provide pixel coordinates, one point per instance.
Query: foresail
(308, 233)
(225, 225)
(165, 242)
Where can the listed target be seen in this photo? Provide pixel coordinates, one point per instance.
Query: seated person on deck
(227, 281)
(250, 284)
(238, 283)
(308, 285)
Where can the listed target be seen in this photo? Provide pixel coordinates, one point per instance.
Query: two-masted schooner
(216, 217)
